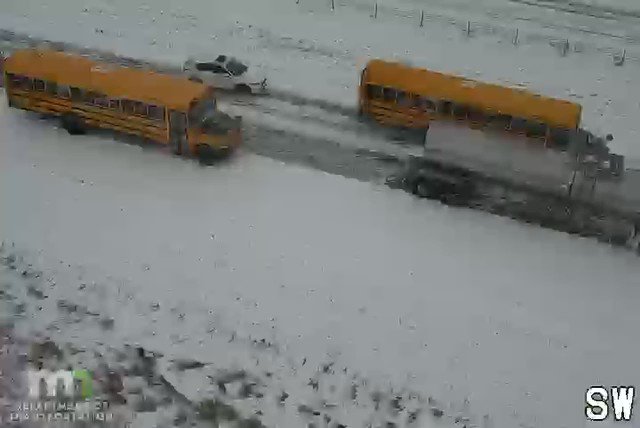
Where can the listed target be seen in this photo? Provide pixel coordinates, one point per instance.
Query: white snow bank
(458, 304)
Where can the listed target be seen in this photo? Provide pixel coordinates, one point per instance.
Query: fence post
(468, 28)
(375, 10)
(422, 18)
(565, 47)
(515, 37)
(619, 60)
(333, 5)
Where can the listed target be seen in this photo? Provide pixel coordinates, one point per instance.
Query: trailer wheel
(73, 124)
(422, 189)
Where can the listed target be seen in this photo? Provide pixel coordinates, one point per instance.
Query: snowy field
(485, 315)
(316, 52)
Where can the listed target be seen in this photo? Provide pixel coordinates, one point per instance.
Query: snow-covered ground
(485, 315)
(309, 49)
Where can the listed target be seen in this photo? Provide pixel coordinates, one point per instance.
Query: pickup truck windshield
(236, 68)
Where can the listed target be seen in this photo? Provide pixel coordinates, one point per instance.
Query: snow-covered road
(484, 314)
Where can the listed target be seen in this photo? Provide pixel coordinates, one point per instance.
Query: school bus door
(178, 135)
(362, 88)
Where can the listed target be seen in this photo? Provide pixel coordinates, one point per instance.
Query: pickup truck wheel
(243, 89)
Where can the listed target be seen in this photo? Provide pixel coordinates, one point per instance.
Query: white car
(225, 72)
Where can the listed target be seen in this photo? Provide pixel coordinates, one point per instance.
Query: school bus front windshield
(206, 118)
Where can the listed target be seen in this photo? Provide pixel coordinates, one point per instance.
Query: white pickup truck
(225, 72)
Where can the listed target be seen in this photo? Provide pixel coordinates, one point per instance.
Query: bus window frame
(536, 129)
(374, 92)
(36, 85)
(138, 107)
(560, 136)
(100, 100)
(422, 104)
(390, 91)
(17, 81)
(76, 94)
(156, 112)
(403, 99)
(127, 106)
(64, 92)
(460, 111)
(518, 125)
(444, 107)
(51, 88)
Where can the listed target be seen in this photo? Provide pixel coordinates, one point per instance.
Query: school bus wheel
(73, 124)
(176, 147)
(205, 154)
(243, 89)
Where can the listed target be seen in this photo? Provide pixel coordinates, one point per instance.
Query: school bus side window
(156, 113)
(63, 91)
(77, 94)
(404, 99)
(389, 94)
(425, 104)
(114, 104)
(101, 100)
(127, 106)
(18, 82)
(38, 85)
(140, 109)
(374, 92)
(89, 97)
(560, 136)
(51, 88)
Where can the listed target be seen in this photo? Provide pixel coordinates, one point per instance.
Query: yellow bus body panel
(114, 81)
(172, 93)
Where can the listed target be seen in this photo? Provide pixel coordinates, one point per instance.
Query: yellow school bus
(87, 94)
(400, 95)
